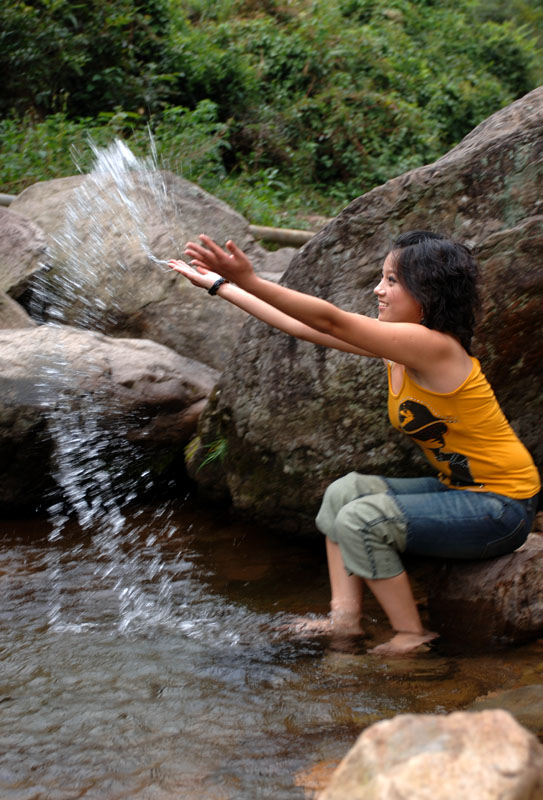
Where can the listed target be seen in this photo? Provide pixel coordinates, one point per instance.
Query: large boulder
(435, 757)
(110, 234)
(106, 417)
(22, 253)
(293, 416)
(490, 602)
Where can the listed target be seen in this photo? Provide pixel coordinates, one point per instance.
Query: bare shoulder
(447, 370)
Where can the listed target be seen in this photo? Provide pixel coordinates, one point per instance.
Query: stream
(163, 671)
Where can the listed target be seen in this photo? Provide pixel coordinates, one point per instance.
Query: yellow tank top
(465, 436)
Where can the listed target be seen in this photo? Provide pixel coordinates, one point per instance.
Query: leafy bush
(82, 57)
(206, 65)
(266, 104)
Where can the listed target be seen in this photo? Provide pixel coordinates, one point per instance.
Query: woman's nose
(379, 288)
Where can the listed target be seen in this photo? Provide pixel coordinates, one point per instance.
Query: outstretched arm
(262, 310)
(413, 345)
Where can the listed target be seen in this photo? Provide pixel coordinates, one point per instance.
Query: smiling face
(395, 302)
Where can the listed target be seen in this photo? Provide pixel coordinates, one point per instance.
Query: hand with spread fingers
(198, 277)
(233, 265)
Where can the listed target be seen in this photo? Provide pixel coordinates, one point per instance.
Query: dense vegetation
(277, 106)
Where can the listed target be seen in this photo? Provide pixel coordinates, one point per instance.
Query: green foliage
(33, 151)
(216, 451)
(206, 64)
(399, 85)
(192, 142)
(85, 57)
(269, 104)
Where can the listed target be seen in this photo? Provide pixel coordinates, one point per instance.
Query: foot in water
(339, 623)
(404, 643)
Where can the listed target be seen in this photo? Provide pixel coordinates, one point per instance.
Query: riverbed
(154, 662)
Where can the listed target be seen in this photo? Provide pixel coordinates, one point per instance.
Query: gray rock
(13, 315)
(22, 253)
(294, 416)
(496, 601)
(435, 757)
(87, 409)
(109, 235)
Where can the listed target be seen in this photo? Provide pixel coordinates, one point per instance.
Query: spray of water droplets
(114, 200)
(131, 583)
(104, 222)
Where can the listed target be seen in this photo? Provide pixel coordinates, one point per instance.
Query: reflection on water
(196, 692)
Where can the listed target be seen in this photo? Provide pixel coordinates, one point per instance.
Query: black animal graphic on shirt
(417, 421)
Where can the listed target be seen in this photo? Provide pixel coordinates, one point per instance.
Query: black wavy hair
(441, 275)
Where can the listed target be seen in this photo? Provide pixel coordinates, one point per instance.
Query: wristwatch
(216, 286)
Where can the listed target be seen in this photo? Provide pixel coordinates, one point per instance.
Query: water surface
(148, 662)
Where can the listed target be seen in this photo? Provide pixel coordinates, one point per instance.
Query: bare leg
(346, 600)
(396, 598)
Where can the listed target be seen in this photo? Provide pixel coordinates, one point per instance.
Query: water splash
(108, 212)
(132, 585)
(85, 471)
(111, 205)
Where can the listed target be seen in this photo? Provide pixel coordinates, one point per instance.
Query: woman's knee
(350, 487)
(376, 516)
(371, 535)
(335, 496)
(343, 491)
(341, 487)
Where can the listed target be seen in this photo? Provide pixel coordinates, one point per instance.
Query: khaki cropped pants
(374, 519)
(363, 518)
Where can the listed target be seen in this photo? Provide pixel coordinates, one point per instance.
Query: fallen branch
(287, 237)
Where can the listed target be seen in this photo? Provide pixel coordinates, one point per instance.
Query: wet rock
(497, 601)
(105, 233)
(296, 416)
(525, 703)
(12, 315)
(430, 757)
(22, 253)
(314, 779)
(74, 402)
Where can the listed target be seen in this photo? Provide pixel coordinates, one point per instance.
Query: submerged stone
(525, 703)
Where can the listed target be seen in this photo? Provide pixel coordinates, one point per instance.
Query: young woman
(483, 502)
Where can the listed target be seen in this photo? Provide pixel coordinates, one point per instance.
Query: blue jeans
(374, 519)
(454, 523)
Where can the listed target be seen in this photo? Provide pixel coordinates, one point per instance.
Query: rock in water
(80, 405)
(525, 703)
(497, 601)
(485, 755)
(296, 416)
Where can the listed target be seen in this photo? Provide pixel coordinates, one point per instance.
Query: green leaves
(216, 451)
(85, 57)
(268, 104)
